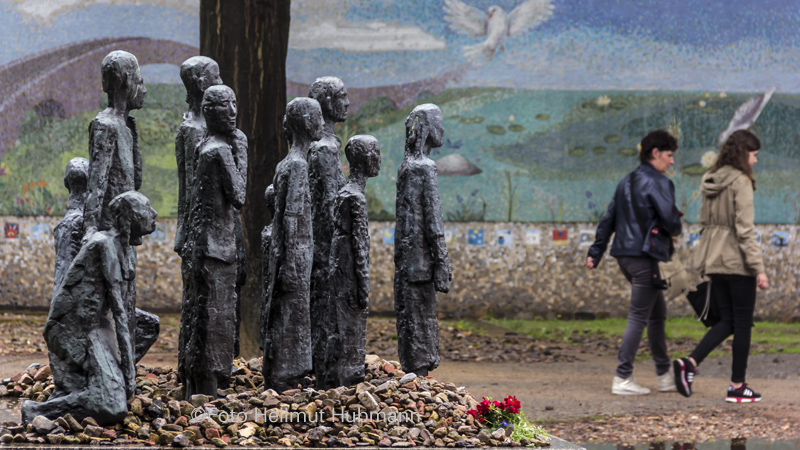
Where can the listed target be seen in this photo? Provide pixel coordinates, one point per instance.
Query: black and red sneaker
(742, 395)
(684, 375)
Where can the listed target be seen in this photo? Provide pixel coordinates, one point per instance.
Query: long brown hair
(735, 153)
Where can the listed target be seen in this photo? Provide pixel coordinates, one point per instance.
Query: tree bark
(249, 39)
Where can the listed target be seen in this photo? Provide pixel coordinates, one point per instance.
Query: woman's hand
(590, 262)
(762, 281)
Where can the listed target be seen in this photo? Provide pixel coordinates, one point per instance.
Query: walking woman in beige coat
(730, 255)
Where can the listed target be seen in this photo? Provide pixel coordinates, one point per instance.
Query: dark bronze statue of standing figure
(69, 231)
(115, 161)
(87, 330)
(325, 178)
(198, 73)
(422, 266)
(287, 340)
(349, 271)
(266, 252)
(210, 318)
(115, 166)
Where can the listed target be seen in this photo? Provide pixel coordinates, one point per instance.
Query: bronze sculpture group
(94, 332)
(315, 279)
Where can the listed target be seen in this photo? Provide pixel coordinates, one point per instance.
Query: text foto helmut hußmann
(283, 415)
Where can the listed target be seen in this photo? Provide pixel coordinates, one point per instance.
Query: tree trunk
(249, 39)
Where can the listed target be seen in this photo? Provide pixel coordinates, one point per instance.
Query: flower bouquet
(506, 416)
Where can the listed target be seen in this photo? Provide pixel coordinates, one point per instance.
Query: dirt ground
(572, 396)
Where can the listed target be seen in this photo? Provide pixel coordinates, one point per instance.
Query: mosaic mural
(544, 100)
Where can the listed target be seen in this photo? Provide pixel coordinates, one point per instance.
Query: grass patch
(682, 333)
(466, 325)
(561, 330)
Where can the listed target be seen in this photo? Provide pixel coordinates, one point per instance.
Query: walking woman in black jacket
(644, 219)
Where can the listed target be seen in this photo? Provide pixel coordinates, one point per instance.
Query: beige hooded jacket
(728, 244)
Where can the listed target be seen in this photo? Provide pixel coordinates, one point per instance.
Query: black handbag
(704, 306)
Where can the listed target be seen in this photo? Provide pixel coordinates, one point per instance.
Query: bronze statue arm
(239, 151)
(232, 180)
(183, 208)
(289, 271)
(360, 230)
(137, 154)
(434, 230)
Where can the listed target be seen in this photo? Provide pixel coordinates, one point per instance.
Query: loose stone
(43, 425)
(181, 441)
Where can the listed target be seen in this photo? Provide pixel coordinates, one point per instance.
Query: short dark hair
(659, 139)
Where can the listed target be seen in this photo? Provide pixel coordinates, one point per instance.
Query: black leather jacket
(642, 215)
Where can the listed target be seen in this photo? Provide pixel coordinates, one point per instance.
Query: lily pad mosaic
(472, 120)
(613, 105)
(694, 170)
(558, 155)
(576, 152)
(496, 129)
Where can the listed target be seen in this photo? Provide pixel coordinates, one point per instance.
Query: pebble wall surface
(521, 270)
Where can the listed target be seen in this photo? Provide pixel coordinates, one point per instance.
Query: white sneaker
(666, 382)
(627, 386)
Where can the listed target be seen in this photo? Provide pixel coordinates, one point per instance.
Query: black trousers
(648, 310)
(736, 297)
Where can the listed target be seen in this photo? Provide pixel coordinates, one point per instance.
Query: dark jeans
(736, 298)
(649, 309)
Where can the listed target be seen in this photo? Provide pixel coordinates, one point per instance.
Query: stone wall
(523, 278)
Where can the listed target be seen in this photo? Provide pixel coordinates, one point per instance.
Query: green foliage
(36, 200)
(555, 204)
(466, 213)
(375, 209)
(767, 337)
(424, 97)
(380, 112)
(524, 429)
(35, 167)
(619, 125)
(510, 193)
(34, 178)
(494, 414)
(374, 107)
(468, 325)
(471, 210)
(596, 214)
(344, 131)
